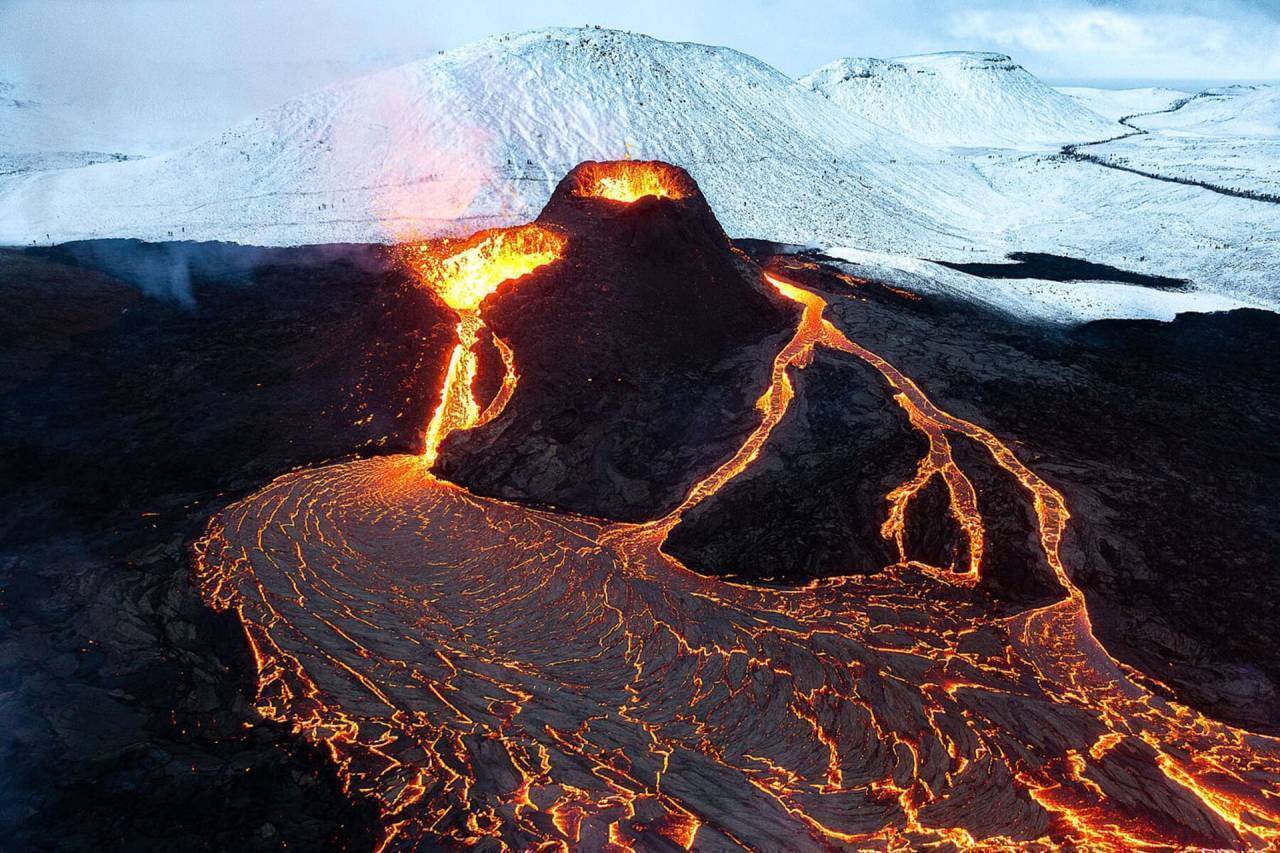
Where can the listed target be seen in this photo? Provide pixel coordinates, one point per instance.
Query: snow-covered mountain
(959, 99)
(1118, 103)
(478, 136)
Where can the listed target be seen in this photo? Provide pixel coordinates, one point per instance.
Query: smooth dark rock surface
(1062, 268)
(813, 504)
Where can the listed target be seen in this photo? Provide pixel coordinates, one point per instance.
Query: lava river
(498, 676)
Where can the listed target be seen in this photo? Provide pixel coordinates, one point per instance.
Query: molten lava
(630, 180)
(463, 273)
(491, 674)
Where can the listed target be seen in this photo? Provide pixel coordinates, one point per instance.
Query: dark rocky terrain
(1062, 268)
(1161, 436)
(126, 419)
(145, 387)
(843, 431)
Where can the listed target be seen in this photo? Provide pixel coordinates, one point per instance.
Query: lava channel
(500, 676)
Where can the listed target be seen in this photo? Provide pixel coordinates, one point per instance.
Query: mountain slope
(478, 136)
(961, 99)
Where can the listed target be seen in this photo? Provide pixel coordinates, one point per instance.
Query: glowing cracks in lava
(462, 273)
(630, 180)
(494, 674)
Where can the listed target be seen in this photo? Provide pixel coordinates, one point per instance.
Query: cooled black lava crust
(1159, 435)
(128, 417)
(143, 387)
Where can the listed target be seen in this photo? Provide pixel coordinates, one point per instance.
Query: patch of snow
(1036, 300)
(1227, 137)
(1235, 111)
(36, 135)
(1223, 245)
(1235, 163)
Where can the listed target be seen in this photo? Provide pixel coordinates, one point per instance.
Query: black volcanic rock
(641, 353)
(1014, 568)
(125, 419)
(813, 504)
(1160, 435)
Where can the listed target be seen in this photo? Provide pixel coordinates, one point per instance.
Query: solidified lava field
(496, 674)
(603, 533)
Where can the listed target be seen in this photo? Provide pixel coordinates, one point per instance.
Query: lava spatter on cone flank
(641, 351)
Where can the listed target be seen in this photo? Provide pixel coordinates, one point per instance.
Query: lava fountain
(494, 674)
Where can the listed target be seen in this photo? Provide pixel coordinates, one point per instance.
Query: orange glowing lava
(630, 180)
(463, 273)
(491, 674)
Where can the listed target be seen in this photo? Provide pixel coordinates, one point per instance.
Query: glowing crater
(463, 272)
(630, 180)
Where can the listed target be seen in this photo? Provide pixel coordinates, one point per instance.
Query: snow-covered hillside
(1226, 246)
(480, 135)
(36, 135)
(1115, 104)
(959, 99)
(1227, 111)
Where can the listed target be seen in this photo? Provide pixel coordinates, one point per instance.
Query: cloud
(1228, 41)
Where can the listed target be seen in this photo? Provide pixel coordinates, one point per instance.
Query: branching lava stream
(507, 677)
(462, 274)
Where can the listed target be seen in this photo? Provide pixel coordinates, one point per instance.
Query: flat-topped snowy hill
(479, 136)
(959, 99)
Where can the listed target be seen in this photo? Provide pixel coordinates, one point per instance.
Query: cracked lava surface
(499, 676)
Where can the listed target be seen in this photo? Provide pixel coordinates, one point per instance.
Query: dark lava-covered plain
(1062, 268)
(146, 387)
(1160, 435)
(143, 387)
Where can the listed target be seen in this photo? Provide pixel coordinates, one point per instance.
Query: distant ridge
(958, 99)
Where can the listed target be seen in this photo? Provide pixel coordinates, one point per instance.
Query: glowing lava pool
(500, 676)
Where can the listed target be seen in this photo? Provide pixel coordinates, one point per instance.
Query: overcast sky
(197, 65)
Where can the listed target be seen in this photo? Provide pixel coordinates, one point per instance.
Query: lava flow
(462, 273)
(496, 675)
